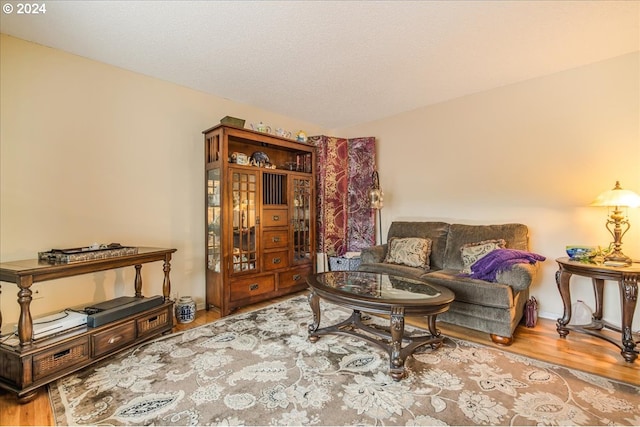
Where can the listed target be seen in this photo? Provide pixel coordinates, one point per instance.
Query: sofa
(494, 306)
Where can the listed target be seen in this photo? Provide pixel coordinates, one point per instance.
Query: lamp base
(617, 258)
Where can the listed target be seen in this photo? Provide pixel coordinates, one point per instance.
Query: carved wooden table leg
(629, 292)
(435, 332)
(598, 290)
(396, 358)
(314, 302)
(562, 280)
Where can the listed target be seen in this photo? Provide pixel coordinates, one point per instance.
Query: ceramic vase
(185, 310)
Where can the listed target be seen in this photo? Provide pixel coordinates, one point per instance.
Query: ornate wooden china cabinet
(260, 216)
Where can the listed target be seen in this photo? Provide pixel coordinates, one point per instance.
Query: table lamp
(617, 200)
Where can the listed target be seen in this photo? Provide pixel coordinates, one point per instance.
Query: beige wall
(537, 152)
(94, 153)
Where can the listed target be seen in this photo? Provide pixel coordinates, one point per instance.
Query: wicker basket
(232, 121)
(338, 263)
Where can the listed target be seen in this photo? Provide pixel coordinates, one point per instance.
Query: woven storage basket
(338, 263)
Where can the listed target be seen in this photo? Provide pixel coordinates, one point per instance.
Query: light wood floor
(577, 351)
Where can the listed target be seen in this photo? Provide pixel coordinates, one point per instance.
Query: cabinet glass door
(244, 192)
(301, 213)
(214, 216)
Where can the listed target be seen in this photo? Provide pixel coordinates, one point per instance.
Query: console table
(627, 278)
(30, 364)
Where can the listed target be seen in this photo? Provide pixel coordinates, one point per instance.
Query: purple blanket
(487, 267)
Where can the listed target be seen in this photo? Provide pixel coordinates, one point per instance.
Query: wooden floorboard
(577, 351)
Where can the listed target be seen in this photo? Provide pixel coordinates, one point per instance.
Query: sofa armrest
(518, 276)
(373, 254)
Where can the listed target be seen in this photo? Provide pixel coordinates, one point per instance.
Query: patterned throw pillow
(472, 252)
(411, 251)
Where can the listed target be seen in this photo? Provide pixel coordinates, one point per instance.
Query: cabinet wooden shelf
(259, 217)
(29, 364)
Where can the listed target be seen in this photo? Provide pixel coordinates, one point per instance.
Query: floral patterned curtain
(345, 220)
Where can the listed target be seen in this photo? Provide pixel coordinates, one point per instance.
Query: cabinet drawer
(61, 357)
(275, 239)
(253, 286)
(275, 218)
(293, 277)
(275, 260)
(157, 320)
(112, 339)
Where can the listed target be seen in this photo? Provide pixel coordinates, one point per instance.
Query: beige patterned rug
(258, 368)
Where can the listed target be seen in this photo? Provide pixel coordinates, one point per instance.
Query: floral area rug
(259, 368)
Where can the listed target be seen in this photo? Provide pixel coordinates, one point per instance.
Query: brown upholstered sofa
(495, 307)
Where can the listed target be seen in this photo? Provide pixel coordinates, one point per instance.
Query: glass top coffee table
(394, 296)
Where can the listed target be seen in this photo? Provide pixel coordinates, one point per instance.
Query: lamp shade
(617, 197)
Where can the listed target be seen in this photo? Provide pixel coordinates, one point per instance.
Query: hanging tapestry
(360, 216)
(332, 194)
(345, 220)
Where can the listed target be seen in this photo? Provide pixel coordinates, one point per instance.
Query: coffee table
(394, 296)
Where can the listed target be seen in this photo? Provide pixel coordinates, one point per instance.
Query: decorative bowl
(260, 158)
(581, 252)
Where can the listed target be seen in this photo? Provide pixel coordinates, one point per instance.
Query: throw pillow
(472, 252)
(410, 251)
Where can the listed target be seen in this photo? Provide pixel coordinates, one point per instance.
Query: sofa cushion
(410, 251)
(436, 231)
(516, 236)
(473, 291)
(373, 254)
(472, 252)
(392, 269)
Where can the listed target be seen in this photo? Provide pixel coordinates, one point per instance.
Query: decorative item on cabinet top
(283, 133)
(261, 127)
(232, 121)
(301, 136)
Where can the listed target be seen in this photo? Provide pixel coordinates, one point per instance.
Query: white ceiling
(336, 63)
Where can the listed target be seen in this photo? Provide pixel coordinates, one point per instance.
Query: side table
(627, 278)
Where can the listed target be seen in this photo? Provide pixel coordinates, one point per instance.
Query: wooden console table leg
(138, 281)
(28, 397)
(166, 284)
(629, 292)
(25, 322)
(562, 280)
